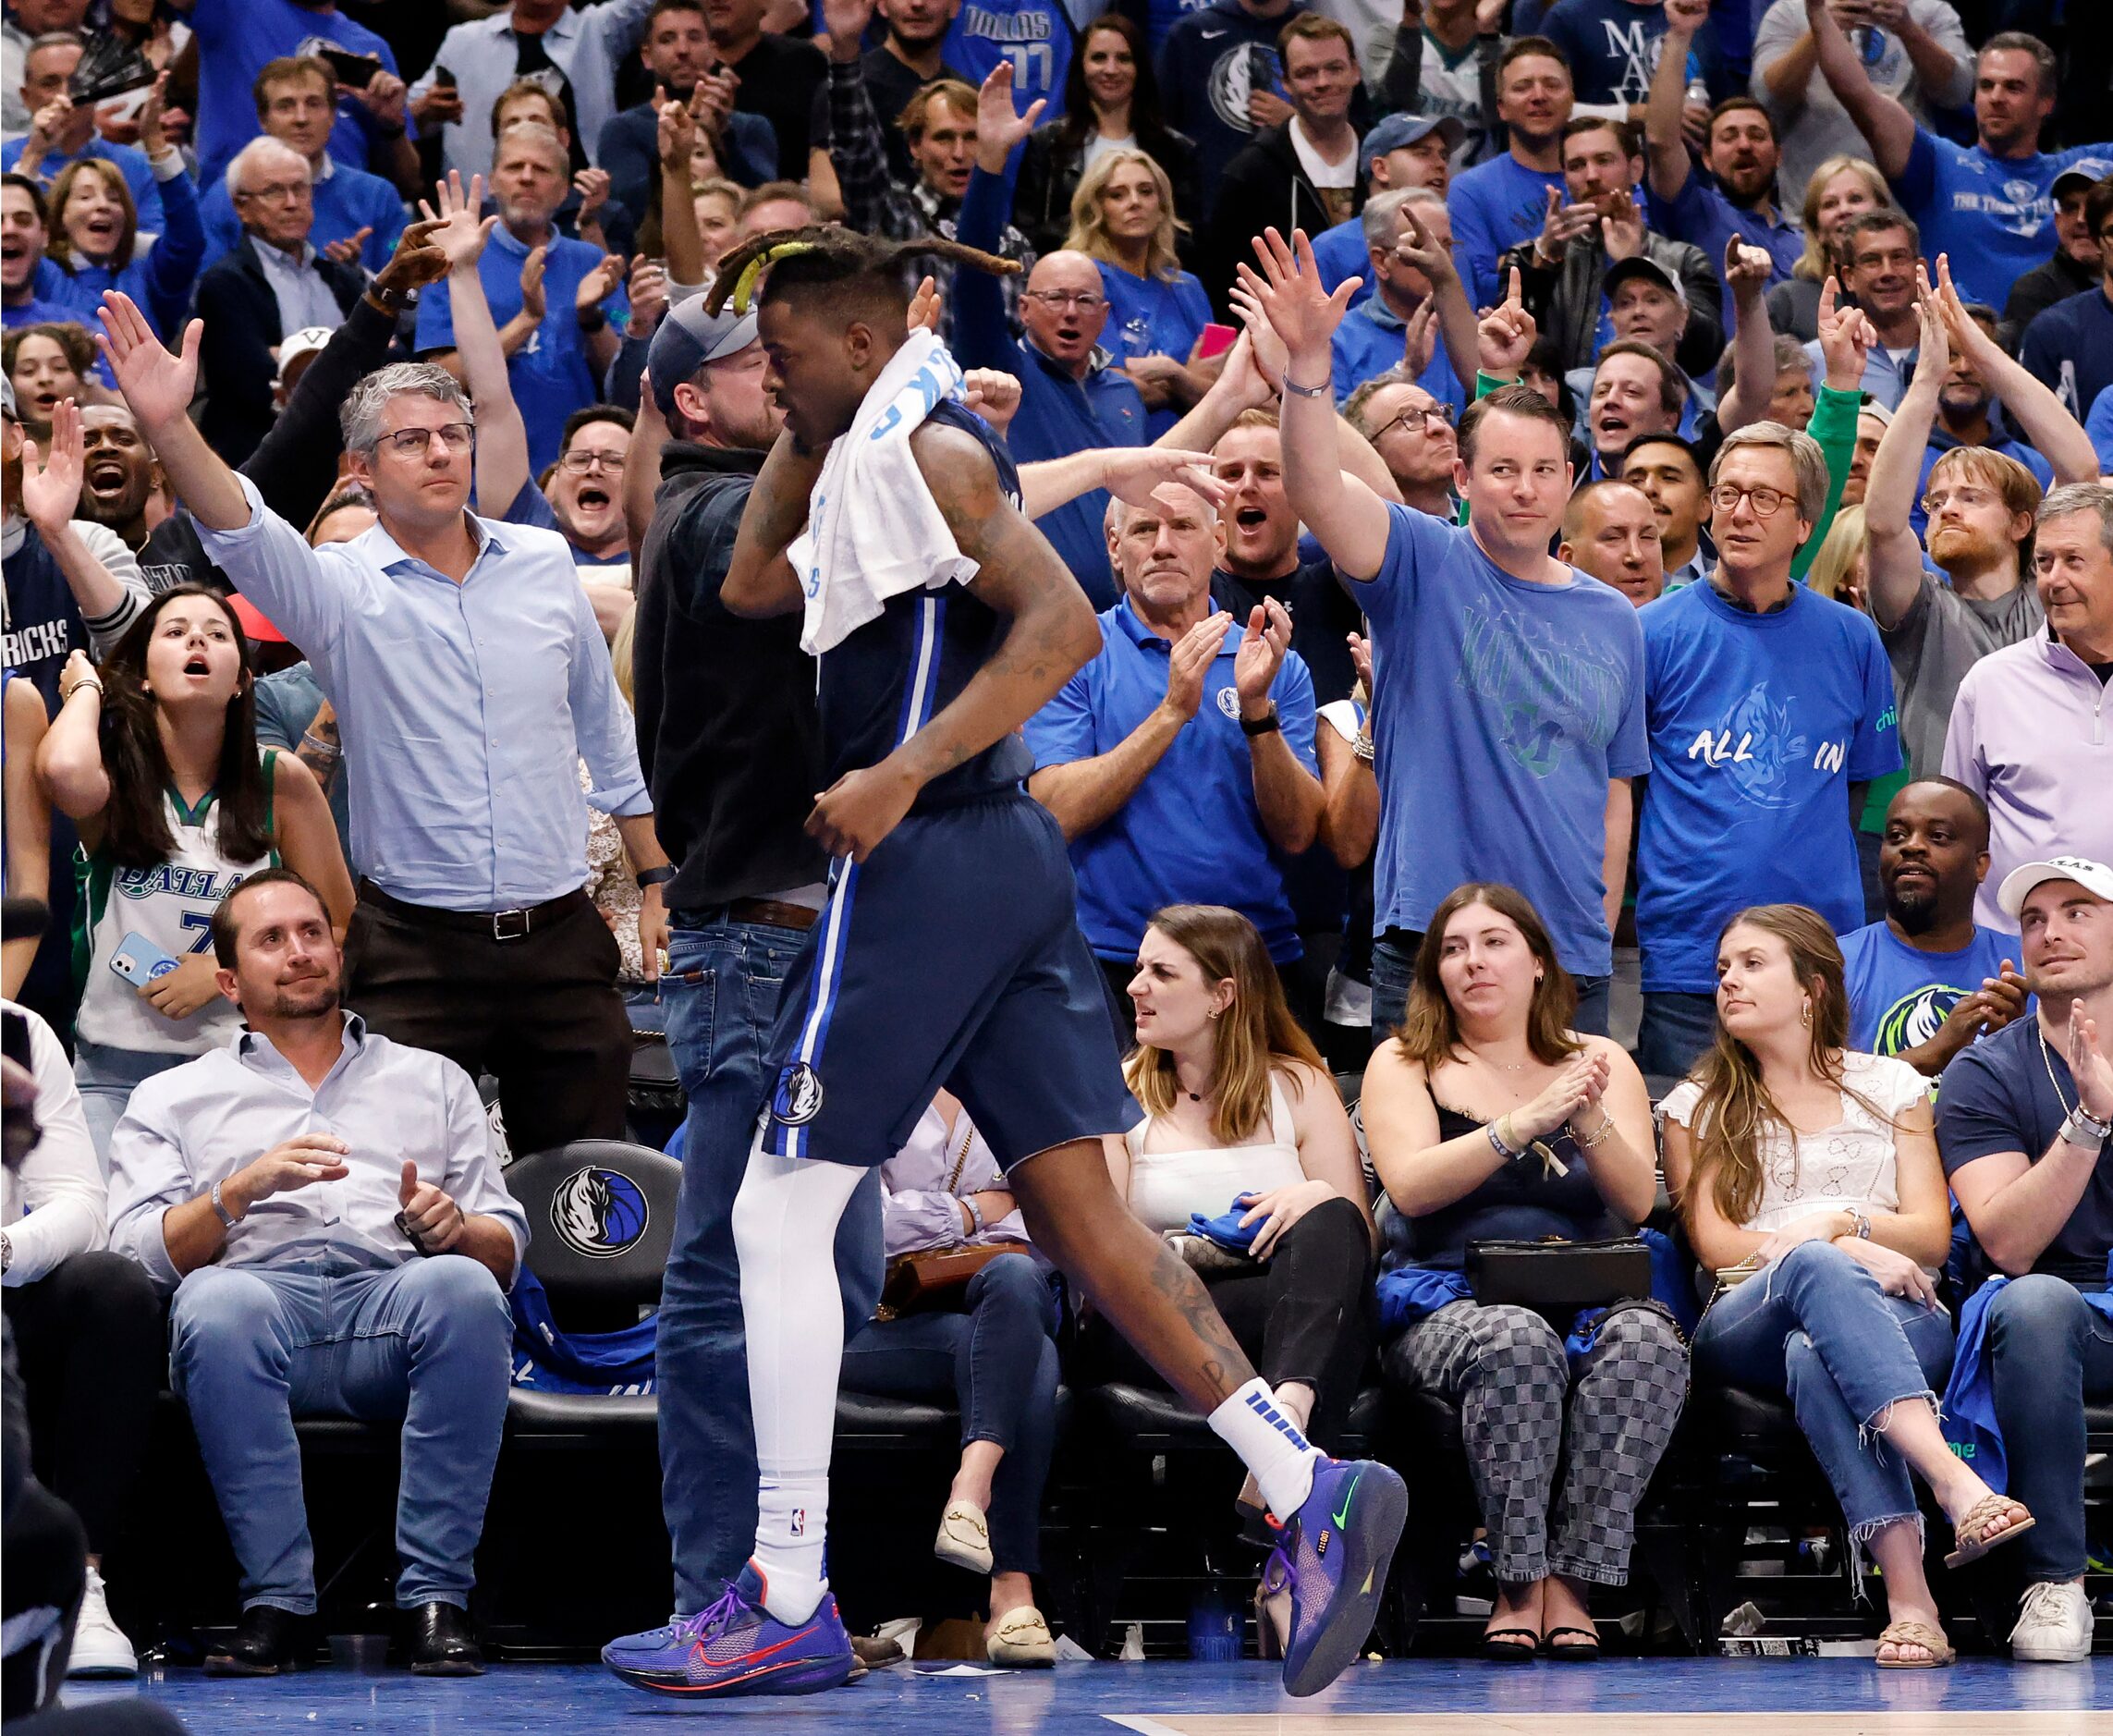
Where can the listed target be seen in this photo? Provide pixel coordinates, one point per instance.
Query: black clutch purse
(1557, 1278)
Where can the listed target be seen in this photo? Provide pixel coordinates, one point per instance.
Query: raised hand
(926, 306)
(51, 485)
(1686, 16)
(1967, 338)
(153, 140)
(1262, 649)
(1265, 352)
(1420, 338)
(1560, 225)
(1418, 248)
(998, 130)
(647, 293)
(601, 281)
(2088, 1065)
(593, 186)
(1133, 473)
(1303, 314)
(1506, 336)
(1746, 269)
(675, 132)
(1621, 227)
(1846, 336)
(711, 100)
(846, 22)
(458, 232)
(993, 395)
(1361, 660)
(1935, 352)
(157, 385)
(348, 248)
(383, 98)
(1191, 660)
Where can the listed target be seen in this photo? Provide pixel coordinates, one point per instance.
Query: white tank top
(170, 904)
(1166, 1185)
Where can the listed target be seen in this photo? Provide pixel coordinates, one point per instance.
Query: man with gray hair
(1417, 317)
(2028, 728)
(273, 283)
(556, 300)
(1180, 760)
(470, 680)
(1768, 709)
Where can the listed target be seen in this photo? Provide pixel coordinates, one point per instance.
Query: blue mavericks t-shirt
(1994, 215)
(1150, 316)
(1612, 46)
(1502, 709)
(1035, 35)
(1899, 995)
(235, 40)
(1191, 833)
(1496, 206)
(1759, 724)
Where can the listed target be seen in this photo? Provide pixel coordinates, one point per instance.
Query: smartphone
(357, 71)
(139, 960)
(1215, 340)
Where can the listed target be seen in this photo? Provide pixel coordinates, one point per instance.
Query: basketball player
(948, 954)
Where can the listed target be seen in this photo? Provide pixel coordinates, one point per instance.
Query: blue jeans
(1394, 972)
(2048, 1351)
(104, 1077)
(1678, 1030)
(998, 1357)
(721, 992)
(1816, 1326)
(252, 1348)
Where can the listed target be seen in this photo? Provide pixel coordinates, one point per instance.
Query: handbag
(1559, 1279)
(934, 1280)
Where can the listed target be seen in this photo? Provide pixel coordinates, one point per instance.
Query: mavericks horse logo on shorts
(798, 1099)
(599, 1213)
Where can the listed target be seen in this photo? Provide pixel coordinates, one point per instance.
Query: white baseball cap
(305, 342)
(2093, 876)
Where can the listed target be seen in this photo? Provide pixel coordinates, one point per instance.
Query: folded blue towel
(1226, 1228)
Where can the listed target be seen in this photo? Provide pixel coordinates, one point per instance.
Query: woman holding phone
(154, 758)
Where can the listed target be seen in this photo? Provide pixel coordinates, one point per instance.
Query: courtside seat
(1152, 1420)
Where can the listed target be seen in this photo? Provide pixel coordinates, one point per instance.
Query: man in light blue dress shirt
(470, 680)
(326, 1209)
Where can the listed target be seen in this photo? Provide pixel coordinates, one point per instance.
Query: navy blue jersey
(887, 680)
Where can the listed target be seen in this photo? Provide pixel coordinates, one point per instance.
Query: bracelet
(322, 750)
(1361, 745)
(975, 1215)
(1859, 1223)
(1263, 725)
(1500, 1137)
(2083, 1127)
(90, 683)
(1297, 390)
(650, 877)
(1599, 1134)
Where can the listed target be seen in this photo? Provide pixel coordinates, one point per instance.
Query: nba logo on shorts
(798, 1099)
(800, 1522)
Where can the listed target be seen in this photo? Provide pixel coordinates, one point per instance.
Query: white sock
(1270, 1445)
(784, 1231)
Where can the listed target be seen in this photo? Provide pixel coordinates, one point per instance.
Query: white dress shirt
(199, 1123)
(52, 1207)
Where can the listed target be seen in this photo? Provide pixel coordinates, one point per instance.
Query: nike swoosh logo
(1341, 1513)
(750, 1658)
(1210, 36)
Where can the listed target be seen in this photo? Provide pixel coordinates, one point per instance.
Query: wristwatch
(1262, 725)
(591, 319)
(2083, 1127)
(658, 876)
(1862, 1224)
(228, 1220)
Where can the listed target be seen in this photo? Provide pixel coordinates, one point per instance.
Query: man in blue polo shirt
(1742, 158)
(1414, 272)
(1989, 205)
(1181, 757)
(1072, 396)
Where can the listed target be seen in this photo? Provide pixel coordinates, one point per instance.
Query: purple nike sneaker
(1334, 1555)
(735, 1648)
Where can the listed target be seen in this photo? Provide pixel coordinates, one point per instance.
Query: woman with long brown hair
(1489, 1117)
(1238, 1103)
(1809, 1179)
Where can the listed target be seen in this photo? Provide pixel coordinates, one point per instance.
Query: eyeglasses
(1766, 502)
(1442, 413)
(580, 462)
(1056, 300)
(1966, 499)
(414, 443)
(279, 192)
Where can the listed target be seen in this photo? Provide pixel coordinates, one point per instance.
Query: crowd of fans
(1581, 500)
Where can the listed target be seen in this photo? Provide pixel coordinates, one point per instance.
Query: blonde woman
(1843, 564)
(1123, 219)
(1840, 189)
(1816, 1170)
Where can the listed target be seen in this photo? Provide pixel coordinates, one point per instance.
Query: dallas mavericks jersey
(909, 663)
(170, 904)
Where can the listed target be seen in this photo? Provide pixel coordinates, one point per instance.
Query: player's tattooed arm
(760, 580)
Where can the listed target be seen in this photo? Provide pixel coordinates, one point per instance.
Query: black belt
(514, 924)
(769, 912)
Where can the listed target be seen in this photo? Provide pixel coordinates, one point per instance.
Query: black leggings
(91, 1350)
(1305, 1316)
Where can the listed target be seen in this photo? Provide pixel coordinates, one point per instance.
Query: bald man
(1610, 529)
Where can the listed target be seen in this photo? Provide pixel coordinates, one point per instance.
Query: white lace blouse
(1851, 1165)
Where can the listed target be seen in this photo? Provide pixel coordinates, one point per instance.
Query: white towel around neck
(874, 530)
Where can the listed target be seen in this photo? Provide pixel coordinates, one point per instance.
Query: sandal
(1973, 1536)
(1585, 1654)
(1920, 1634)
(1497, 1647)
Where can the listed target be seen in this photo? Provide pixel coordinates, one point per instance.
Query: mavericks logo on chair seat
(599, 1213)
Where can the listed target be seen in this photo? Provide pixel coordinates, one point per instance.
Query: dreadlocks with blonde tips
(825, 256)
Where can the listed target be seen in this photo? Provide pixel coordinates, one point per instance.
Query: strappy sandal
(1497, 1647)
(1920, 1634)
(1585, 1654)
(1973, 1534)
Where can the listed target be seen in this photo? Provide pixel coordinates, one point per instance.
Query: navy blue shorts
(950, 957)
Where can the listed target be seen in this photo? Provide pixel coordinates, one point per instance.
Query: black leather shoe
(442, 1642)
(267, 1641)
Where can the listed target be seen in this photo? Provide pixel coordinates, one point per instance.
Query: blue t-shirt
(549, 374)
(1612, 44)
(1503, 709)
(1192, 832)
(347, 200)
(1035, 35)
(1759, 724)
(2068, 349)
(2098, 424)
(1369, 341)
(1899, 995)
(1994, 215)
(1149, 316)
(139, 173)
(1702, 217)
(1496, 206)
(2011, 1091)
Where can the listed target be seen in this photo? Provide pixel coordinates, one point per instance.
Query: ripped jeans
(1815, 1324)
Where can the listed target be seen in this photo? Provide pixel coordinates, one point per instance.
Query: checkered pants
(1505, 1368)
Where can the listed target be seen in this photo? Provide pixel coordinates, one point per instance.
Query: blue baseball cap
(1397, 133)
(688, 340)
